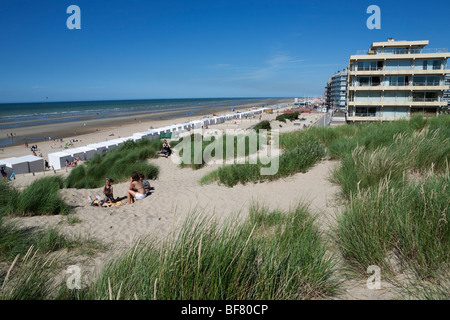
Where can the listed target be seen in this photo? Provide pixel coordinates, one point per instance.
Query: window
(395, 81)
(396, 97)
(425, 96)
(427, 80)
(366, 111)
(367, 65)
(427, 64)
(398, 65)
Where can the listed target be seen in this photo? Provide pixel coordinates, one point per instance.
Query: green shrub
(42, 197)
(117, 164)
(287, 116)
(263, 125)
(39, 198)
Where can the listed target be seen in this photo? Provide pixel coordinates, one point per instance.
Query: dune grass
(240, 143)
(408, 152)
(269, 256)
(263, 125)
(287, 116)
(117, 164)
(30, 277)
(40, 198)
(407, 219)
(17, 241)
(298, 159)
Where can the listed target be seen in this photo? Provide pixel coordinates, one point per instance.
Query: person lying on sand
(108, 191)
(135, 184)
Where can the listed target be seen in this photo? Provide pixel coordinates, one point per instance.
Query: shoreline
(99, 130)
(61, 130)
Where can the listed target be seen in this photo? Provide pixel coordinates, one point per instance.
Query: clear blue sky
(182, 49)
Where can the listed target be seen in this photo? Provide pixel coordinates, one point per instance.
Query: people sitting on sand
(135, 184)
(68, 164)
(145, 183)
(4, 174)
(108, 191)
(166, 150)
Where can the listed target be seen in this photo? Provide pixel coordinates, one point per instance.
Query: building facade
(447, 93)
(339, 90)
(396, 79)
(327, 94)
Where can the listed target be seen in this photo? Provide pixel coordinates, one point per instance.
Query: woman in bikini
(135, 184)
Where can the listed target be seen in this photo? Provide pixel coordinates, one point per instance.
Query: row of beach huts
(57, 160)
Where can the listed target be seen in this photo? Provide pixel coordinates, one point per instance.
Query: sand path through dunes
(178, 193)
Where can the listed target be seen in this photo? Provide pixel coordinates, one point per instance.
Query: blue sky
(182, 49)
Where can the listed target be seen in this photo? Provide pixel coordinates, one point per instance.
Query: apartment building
(327, 94)
(339, 90)
(396, 79)
(447, 93)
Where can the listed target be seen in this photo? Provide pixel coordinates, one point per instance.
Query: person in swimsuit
(135, 184)
(108, 191)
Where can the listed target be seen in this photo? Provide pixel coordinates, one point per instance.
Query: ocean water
(19, 115)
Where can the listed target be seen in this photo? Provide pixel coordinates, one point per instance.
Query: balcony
(416, 99)
(366, 114)
(399, 51)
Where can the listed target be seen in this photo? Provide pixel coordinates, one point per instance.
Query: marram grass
(272, 255)
(117, 164)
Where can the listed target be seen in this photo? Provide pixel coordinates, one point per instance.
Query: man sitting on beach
(135, 184)
(145, 183)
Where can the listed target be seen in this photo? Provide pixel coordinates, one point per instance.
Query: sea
(15, 116)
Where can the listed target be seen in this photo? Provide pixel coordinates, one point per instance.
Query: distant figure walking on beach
(135, 184)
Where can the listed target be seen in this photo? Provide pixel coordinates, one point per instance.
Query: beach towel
(97, 203)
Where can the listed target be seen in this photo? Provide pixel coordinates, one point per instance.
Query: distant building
(339, 90)
(447, 92)
(327, 94)
(396, 79)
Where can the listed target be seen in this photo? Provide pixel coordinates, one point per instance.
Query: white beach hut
(100, 148)
(89, 153)
(17, 165)
(198, 124)
(57, 160)
(35, 164)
